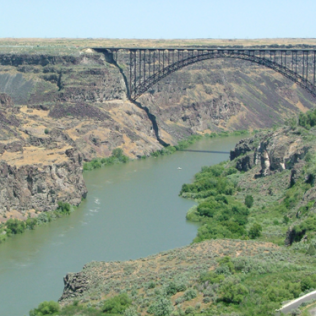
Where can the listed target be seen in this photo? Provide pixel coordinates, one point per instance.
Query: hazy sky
(158, 18)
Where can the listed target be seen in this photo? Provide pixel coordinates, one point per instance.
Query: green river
(131, 211)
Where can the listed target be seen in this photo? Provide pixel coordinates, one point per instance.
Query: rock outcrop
(75, 284)
(274, 152)
(39, 186)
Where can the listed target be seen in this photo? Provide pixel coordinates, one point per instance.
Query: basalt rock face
(39, 187)
(37, 169)
(74, 285)
(274, 151)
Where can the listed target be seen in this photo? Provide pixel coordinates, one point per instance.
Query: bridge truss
(147, 66)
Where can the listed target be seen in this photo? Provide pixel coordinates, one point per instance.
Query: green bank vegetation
(15, 227)
(116, 158)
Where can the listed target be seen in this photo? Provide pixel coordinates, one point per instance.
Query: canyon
(59, 109)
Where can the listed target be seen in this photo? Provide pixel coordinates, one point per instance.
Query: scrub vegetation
(254, 250)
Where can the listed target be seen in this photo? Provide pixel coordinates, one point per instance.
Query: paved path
(297, 302)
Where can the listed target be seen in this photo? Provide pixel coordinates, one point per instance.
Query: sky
(158, 19)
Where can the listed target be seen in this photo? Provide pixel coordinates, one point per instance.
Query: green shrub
(307, 119)
(232, 291)
(45, 308)
(308, 282)
(131, 311)
(311, 250)
(171, 289)
(15, 226)
(211, 277)
(63, 207)
(249, 201)
(161, 307)
(31, 223)
(117, 304)
(255, 231)
(190, 294)
(117, 153)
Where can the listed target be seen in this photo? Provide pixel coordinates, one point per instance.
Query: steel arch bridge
(147, 66)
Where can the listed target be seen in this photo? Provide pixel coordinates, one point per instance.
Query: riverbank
(17, 226)
(121, 219)
(265, 192)
(119, 157)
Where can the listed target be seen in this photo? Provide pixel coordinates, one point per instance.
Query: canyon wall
(60, 110)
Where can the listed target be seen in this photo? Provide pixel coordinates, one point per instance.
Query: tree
(45, 308)
(249, 201)
(255, 231)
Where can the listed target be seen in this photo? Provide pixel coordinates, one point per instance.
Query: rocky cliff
(36, 170)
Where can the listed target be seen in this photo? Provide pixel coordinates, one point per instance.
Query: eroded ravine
(109, 58)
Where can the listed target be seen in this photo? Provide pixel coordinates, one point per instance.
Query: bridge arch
(147, 65)
(147, 84)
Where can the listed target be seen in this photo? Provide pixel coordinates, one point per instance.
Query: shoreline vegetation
(16, 227)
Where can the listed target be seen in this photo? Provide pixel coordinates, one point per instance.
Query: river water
(131, 211)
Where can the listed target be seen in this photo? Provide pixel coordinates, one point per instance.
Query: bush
(211, 277)
(117, 153)
(117, 304)
(255, 231)
(311, 250)
(307, 119)
(249, 201)
(161, 307)
(308, 282)
(14, 226)
(46, 131)
(131, 311)
(64, 207)
(232, 291)
(31, 223)
(45, 308)
(190, 294)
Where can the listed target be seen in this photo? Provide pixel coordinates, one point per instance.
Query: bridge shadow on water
(206, 151)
